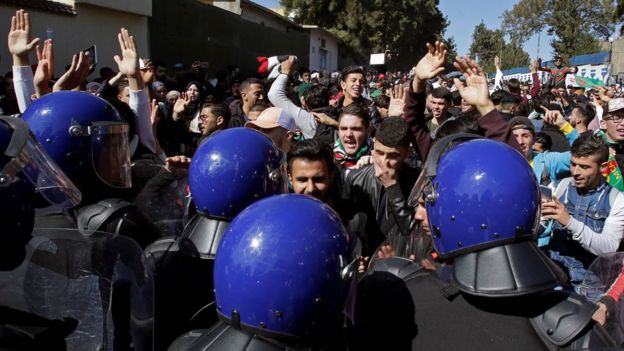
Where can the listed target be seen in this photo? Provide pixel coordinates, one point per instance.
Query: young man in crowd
(251, 91)
(559, 72)
(589, 213)
(353, 140)
(214, 116)
(379, 190)
(612, 125)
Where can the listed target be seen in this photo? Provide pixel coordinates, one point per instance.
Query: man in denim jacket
(588, 212)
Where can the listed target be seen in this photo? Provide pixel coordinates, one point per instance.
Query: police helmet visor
(32, 162)
(111, 153)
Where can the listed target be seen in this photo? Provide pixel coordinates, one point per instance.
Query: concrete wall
(185, 30)
(259, 17)
(331, 48)
(617, 57)
(92, 25)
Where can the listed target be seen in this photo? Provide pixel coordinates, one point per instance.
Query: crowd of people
(499, 194)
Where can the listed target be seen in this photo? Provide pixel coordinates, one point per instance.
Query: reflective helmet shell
(232, 169)
(484, 195)
(16, 202)
(50, 118)
(279, 267)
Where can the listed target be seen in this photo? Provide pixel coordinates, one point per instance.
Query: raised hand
(430, 65)
(180, 105)
(45, 68)
(76, 74)
(288, 65)
(325, 119)
(475, 91)
(128, 63)
(553, 117)
(397, 101)
(535, 65)
(497, 62)
(20, 43)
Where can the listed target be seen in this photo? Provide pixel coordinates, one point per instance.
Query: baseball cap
(273, 117)
(615, 105)
(520, 122)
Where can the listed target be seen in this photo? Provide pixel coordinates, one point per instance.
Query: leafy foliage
(487, 44)
(574, 25)
(374, 26)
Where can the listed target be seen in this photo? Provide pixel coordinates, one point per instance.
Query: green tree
(574, 25)
(451, 53)
(487, 44)
(374, 26)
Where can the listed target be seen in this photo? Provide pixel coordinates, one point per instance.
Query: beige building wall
(617, 56)
(92, 25)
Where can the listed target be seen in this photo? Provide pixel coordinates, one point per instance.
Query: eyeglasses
(614, 118)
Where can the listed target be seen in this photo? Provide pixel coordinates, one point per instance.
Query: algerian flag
(584, 82)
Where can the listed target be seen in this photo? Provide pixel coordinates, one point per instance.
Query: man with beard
(588, 212)
(213, 117)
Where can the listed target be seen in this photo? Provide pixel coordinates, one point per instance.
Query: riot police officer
(283, 271)
(87, 138)
(492, 288)
(228, 172)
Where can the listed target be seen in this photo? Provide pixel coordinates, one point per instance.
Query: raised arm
(428, 67)
(475, 92)
(304, 120)
(128, 65)
(20, 46)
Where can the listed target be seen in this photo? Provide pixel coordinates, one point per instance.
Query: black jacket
(380, 211)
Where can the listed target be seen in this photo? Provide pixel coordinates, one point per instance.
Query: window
(323, 53)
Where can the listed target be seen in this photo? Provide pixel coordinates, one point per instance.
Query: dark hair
(350, 70)
(394, 131)
(543, 99)
(259, 106)
(304, 70)
(586, 111)
(590, 145)
(513, 85)
(382, 101)
(316, 96)
(467, 123)
(333, 89)
(457, 99)
(357, 110)
(311, 150)
(544, 139)
(442, 93)
(497, 96)
(248, 83)
(219, 109)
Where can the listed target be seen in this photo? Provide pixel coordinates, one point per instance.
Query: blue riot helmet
(483, 207)
(84, 135)
(283, 269)
(25, 168)
(234, 168)
(23, 158)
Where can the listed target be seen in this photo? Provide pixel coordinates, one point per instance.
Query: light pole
(610, 66)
